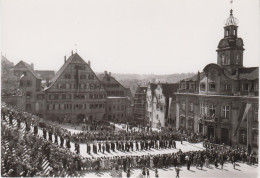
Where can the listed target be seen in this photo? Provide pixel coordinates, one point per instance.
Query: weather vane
(76, 48)
(231, 2)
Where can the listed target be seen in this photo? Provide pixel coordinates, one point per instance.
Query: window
(212, 110)
(82, 86)
(56, 107)
(256, 86)
(212, 86)
(191, 107)
(82, 76)
(245, 87)
(225, 60)
(222, 58)
(183, 106)
(202, 108)
(29, 83)
(67, 86)
(67, 76)
(225, 111)
(256, 115)
(157, 117)
(237, 59)
(227, 87)
(28, 95)
(80, 67)
(243, 137)
(161, 108)
(183, 86)
(192, 86)
(202, 86)
(91, 77)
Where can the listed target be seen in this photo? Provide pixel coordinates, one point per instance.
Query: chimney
(71, 52)
(32, 66)
(105, 72)
(109, 73)
(64, 59)
(89, 63)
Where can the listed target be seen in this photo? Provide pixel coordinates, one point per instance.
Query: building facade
(118, 108)
(222, 101)
(161, 105)
(29, 85)
(75, 93)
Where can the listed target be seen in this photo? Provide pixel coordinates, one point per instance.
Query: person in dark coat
(11, 119)
(44, 133)
(35, 130)
(68, 143)
(61, 141)
(56, 138)
(88, 148)
(77, 148)
(18, 123)
(50, 135)
(136, 146)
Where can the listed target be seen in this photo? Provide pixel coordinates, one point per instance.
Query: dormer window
(212, 86)
(245, 86)
(227, 87)
(202, 86)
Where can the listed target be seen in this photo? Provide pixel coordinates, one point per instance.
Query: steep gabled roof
(28, 67)
(194, 78)
(105, 76)
(73, 58)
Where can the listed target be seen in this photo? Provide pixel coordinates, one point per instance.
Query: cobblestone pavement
(242, 171)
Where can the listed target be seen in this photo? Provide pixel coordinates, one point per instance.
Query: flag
(244, 110)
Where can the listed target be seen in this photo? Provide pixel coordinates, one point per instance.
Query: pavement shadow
(237, 169)
(192, 170)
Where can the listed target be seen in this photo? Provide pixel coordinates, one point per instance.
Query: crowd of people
(23, 151)
(62, 161)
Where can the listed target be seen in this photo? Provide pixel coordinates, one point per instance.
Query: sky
(125, 36)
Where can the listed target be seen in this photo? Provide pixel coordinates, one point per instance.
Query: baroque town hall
(222, 101)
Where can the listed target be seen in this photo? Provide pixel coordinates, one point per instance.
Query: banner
(244, 110)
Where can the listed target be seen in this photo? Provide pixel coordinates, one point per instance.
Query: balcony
(209, 119)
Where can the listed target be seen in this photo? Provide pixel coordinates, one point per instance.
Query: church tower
(230, 48)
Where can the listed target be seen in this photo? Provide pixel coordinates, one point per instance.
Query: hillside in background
(133, 80)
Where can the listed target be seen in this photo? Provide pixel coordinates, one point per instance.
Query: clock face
(239, 42)
(223, 43)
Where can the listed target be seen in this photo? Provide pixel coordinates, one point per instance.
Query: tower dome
(231, 20)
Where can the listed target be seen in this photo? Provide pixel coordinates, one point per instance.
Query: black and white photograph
(130, 88)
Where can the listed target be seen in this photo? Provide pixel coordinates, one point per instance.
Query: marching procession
(21, 130)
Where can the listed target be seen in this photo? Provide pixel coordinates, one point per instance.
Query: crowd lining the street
(64, 162)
